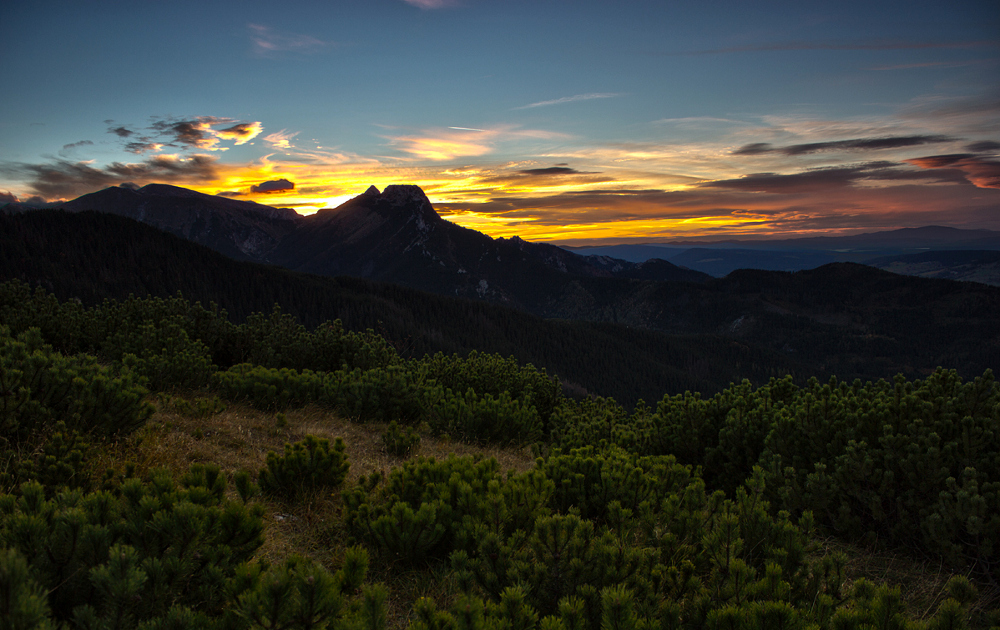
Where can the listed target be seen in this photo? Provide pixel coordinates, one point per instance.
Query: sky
(568, 121)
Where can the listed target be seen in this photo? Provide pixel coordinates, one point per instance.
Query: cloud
(857, 144)
(267, 41)
(855, 45)
(981, 172)
(192, 133)
(821, 180)
(446, 144)
(930, 64)
(552, 170)
(968, 115)
(74, 145)
(432, 4)
(571, 99)
(63, 179)
(278, 185)
(986, 146)
(241, 132)
(281, 139)
(142, 146)
(7, 197)
(204, 133)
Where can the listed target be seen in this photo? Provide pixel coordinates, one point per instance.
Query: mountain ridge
(845, 319)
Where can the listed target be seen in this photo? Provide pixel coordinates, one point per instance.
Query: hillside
(965, 265)
(851, 320)
(137, 493)
(94, 256)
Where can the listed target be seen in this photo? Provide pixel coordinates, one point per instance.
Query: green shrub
(416, 515)
(485, 419)
(491, 374)
(39, 386)
(134, 554)
(397, 443)
(306, 466)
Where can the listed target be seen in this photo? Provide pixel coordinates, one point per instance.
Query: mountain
(718, 258)
(90, 256)
(394, 235)
(239, 229)
(626, 337)
(972, 265)
(397, 236)
(927, 237)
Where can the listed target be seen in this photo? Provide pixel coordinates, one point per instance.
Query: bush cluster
(695, 513)
(912, 463)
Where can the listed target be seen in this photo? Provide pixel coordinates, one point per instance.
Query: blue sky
(556, 120)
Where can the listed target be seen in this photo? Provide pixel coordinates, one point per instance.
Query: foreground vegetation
(696, 513)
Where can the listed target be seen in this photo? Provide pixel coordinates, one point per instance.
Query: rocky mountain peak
(403, 195)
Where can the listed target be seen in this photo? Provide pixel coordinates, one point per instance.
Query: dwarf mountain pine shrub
(306, 466)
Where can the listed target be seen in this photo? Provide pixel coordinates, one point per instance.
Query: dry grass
(922, 581)
(240, 437)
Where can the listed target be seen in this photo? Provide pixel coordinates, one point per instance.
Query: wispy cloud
(855, 45)
(572, 99)
(432, 4)
(268, 41)
(458, 142)
(76, 145)
(929, 64)
(281, 139)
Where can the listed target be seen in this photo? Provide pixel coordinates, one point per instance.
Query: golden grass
(240, 437)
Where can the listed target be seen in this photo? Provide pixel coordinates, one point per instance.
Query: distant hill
(718, 258)
(93, 256)
(627, 338)
(973, 266)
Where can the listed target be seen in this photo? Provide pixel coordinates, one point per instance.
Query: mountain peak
(404, 194)
(371, 192)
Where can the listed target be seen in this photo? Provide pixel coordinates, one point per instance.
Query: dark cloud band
(856, 144)
(277, 185)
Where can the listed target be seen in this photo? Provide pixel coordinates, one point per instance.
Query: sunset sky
(569, 121)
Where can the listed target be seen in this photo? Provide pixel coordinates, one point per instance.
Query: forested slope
(702, 512)
(92, 256)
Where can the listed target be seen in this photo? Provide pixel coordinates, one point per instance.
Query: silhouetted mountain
(720, 262)
(93, 256)
(927, 237)
(718, 258)
(395, 236)
(239, 229)
(843, 319)
(973, 266)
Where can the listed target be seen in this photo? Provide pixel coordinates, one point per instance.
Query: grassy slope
(240, 437)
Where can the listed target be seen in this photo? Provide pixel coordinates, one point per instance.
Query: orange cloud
(439, 145)
(980, 171)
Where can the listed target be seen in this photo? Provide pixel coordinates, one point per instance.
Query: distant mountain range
(844, 319)
(878, 249)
